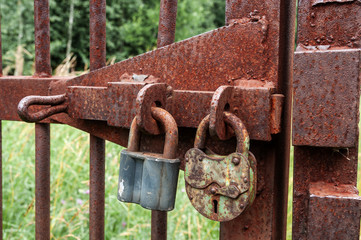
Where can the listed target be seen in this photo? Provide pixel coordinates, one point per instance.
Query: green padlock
(221, 187)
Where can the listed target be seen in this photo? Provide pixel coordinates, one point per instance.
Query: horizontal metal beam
(117, 105)
(13, 89)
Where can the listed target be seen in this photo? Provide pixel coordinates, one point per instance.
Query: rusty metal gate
(241, 73)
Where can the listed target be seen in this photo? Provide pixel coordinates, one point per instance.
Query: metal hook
(56, 103)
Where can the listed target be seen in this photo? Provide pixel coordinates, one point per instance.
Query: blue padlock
(150, 179)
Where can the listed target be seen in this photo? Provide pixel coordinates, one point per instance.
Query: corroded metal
(220, 102)
(333, 205)
(326, 98)
(252, 104)
(221, 187)
(223, 56)
(150, 95)
(326, 114)
(150, 179)
(42, 38)
(97, 58)
(57, 104)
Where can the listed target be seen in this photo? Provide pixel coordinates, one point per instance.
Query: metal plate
(326, 98)
(336, 206)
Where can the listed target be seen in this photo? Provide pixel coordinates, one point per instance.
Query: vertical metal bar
(97, 145)
(166, 34)
(333, 171)
(42, 180)
(167, 22)
(266, 219)
(42, 131)
(283, 140)
(97, 34)
(42, 38)
(97, 187)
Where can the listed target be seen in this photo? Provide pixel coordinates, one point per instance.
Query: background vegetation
(131, 30)
(132, 27)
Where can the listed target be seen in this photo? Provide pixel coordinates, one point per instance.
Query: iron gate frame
(267, 218)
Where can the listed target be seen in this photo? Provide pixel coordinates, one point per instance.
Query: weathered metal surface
(222, 55)
(166, 35)
(42, 38)
(329, 23)
(258, 123)
(336, 166)
(150, 179)
(333, 205)
(13, 89)
(42, 180)
(328, 26)
(220, 102)
(269, 13)
(97, 58)
(117, 105)
(42, 130)
(57, 105)
(150, 95)
(277, 102)
(97, 27)
(267, 218)
(96, 187)
(167, 22)
(316, 2)
(221, 187)
(326, 98)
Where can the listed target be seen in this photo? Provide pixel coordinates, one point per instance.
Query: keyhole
(215, 206)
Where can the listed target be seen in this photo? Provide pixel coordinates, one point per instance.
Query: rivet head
(241, 205)
(245, 180)
(199, 158)
(187, 159)
(236, 161)
(213, 190)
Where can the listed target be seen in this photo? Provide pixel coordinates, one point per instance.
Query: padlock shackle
(171, 131)
(238, 127)
(170, 128)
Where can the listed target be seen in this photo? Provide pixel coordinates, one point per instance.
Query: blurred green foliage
(131, 27)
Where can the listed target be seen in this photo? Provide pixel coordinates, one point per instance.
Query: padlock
(150, 179)
(221, 187)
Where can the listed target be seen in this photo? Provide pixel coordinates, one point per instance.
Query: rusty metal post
(42, 131)
(42, 38)
(166, 33)
(267, 218)
(97, 145)
(326, 204)
(167, 22)
(42, 180)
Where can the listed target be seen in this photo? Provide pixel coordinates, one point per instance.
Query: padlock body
(220, 187)
(148, 180)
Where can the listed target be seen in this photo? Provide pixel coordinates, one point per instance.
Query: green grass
(70, 195)
(69, 191)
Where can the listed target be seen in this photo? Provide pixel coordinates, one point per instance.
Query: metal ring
(54, 101)
(170, 128)
(237, 126)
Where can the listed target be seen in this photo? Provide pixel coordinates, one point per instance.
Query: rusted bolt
(236, 161)
(213, 190)
(246, 227)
